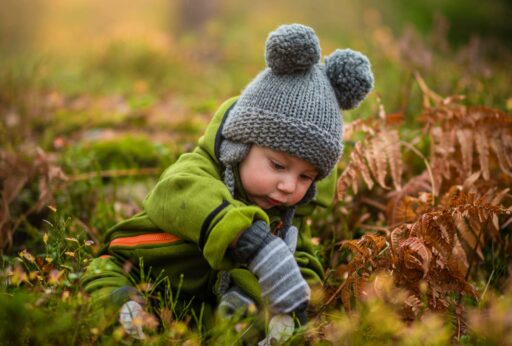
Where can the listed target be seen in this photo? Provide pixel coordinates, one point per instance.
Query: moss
(128, 151)
(67, 121)
(189, 127)
(143, 102)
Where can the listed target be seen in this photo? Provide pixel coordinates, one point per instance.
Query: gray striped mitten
(270, 259)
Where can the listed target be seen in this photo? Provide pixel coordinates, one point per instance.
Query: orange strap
(145, 239)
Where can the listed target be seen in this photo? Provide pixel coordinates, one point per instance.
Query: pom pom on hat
(292, 48)
(350, 75)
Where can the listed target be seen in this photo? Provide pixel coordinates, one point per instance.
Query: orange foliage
(438, 222)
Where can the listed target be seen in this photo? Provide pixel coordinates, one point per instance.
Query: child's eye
(277, 165)
(306, 177)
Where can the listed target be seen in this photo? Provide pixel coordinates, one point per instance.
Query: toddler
(226, 225)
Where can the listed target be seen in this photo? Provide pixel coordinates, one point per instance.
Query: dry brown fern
(442, 219)
(367, 258)
(371, 157)
(465, 139)
(410, 258)
(433, 250)
(414, 199)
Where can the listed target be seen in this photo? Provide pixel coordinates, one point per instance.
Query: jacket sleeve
(103, 276)
(191, 201)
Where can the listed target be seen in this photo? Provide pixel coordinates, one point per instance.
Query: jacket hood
(212, 137)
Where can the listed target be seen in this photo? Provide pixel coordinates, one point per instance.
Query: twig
(338, 290)
(427, 165)
(426, 91)
(334, 295)
(373, 203)
(508, 222)
(487, 285)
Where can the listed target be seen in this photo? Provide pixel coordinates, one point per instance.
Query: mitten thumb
(290, 238)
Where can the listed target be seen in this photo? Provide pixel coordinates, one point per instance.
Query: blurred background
(105, 85)
(203, 51)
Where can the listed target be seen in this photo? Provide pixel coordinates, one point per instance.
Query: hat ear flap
(350, 75)
(292, 48)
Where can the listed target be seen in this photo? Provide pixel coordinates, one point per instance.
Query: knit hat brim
(278, 132)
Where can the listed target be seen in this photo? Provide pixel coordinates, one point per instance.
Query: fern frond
(412, 306)
(416, 255)
(467, 234)
(479, 131)
(357, 156)
(405, 212)
(403, 207)
(365, 126)
(374, 242)
(504, 158)
(457, 261)
(391, 141)
(482, 147)
(499, 197)
(377, 159)
(469, 184)
(348, 177)
(465, 139)
(395, 237)
(355, 247)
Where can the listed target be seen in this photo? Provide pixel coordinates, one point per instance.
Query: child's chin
(264, 206)
(270, 206)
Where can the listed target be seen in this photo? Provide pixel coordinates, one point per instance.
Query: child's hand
(280, 329)
(270, 259)
(130, 318)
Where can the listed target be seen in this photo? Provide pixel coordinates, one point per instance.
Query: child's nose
(287, 184)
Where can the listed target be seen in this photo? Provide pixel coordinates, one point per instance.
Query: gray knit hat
(294, 104)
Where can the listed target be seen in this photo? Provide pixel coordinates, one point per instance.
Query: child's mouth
(274, 202)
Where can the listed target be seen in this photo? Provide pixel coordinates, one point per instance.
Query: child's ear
(350, 75)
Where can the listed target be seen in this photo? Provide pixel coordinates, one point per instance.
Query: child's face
(274, 178)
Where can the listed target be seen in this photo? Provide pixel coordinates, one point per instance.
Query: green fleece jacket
(193, 219)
